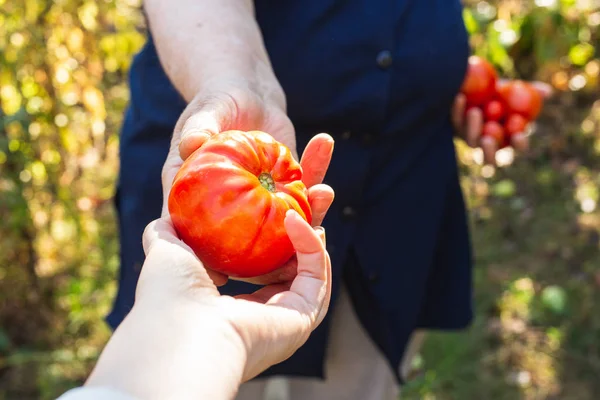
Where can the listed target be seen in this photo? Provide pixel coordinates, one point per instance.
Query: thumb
(200, 120)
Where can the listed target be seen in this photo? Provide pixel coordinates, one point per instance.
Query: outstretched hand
(469, 126)
(273, 322)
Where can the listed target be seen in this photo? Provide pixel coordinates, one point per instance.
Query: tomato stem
(266, 180)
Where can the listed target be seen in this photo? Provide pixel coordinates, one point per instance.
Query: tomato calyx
(266, 181)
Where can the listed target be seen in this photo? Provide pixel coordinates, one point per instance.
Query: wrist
(197, 41)
(256, 78)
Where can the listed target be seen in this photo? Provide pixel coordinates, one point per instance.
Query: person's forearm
(200, 41)
(171, 354)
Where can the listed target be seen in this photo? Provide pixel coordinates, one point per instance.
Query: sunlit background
(535, 218)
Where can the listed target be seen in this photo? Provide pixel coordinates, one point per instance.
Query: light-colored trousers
(355, 368)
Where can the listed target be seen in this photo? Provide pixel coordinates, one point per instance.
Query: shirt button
(384, 59)
(346, 135)
(348, 213)
(367, 138)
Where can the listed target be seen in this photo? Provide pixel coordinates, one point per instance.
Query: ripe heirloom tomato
(521, 98)
(494, 110)
(495, 130)
(515, 123)
(229, 200)
(479, 85)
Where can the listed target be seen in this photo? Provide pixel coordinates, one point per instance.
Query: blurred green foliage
(536, 225)
(63, 89)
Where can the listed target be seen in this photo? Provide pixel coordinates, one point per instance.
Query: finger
(163, 229)
(287, 273)
(197, 129)
(520, 142)
(326, 301)
(309, 288)
(489, 147)
(474, 126)
(158, 228)
(320, 198)
(202, 118)
(316, 158)
(192, 142)
(309, 247)
(458, 113)
(148, 237)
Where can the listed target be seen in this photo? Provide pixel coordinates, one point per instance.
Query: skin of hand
(469, 126)
(184, 340)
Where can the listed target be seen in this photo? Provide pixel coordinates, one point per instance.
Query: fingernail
(292, 214)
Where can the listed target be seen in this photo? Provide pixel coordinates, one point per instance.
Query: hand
(273, 322)
(469, 126)
(182, 339)
(236, 106)
(224, 106)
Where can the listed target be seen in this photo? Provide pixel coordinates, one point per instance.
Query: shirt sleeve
(95, 393)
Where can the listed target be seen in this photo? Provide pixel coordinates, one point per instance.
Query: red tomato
(495, 130)
(494, 111)
(229, 200)
(521, 98)
(515, 123)
(479, 85)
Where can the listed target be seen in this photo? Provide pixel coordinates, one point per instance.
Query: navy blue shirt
(380, 76)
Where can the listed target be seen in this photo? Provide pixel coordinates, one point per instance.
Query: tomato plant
(229, 200)
(479, 85)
